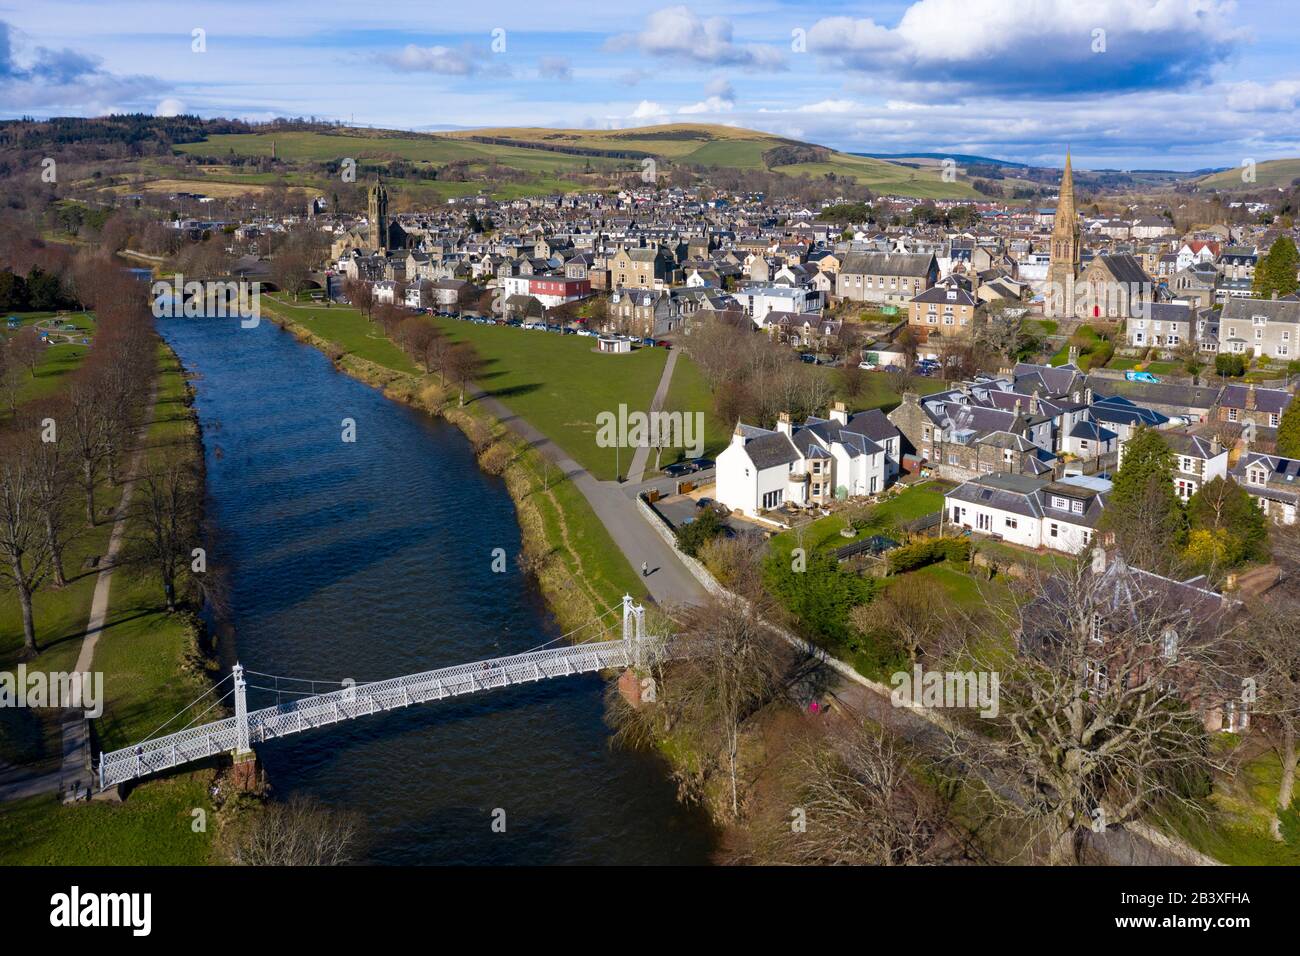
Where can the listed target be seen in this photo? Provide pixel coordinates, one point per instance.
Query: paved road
(669, 582)
(636, 471)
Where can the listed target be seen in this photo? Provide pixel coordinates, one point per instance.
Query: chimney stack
(783, 423)
(1250, 397)
(839, 414)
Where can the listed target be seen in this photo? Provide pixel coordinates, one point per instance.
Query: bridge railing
(268, 723)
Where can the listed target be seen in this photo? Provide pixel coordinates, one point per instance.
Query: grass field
(59, 361)
(690, 144)
(879, 389)
(1271, 173)
(155, 827)
(140, 652)
(824, 533)
(347, 328)
(690, 393)
(559, 383)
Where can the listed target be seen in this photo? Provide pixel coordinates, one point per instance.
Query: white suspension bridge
(236, 735)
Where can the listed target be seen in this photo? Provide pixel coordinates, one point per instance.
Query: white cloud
(714, 104)
(679, 33)
(1280, 96)
(832, 106)
(169, 106)
(432, 59)
(1038, 47)
(648, 109)
(555, 68)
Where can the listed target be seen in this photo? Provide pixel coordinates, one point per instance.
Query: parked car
(664, 344)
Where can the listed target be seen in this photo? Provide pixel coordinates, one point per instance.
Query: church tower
(378, 237)
(1063, 269)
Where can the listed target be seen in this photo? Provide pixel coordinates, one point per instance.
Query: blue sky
(1126, 83)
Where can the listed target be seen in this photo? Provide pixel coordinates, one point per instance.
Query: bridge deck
(271, 723)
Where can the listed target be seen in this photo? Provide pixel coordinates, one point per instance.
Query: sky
(1172, 84)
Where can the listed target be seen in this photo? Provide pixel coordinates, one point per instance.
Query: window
(1059, 502)
(1232, 414)
(1053, 529)
(1012, 523)
(1273, 420)
(772, 499)
(1257, 476)
(1076, 507)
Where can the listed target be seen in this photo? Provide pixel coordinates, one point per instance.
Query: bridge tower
(242, 746)
(634, 630)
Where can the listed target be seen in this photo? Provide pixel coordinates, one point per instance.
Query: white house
(809, 464)
(759, 300)
(1274, 483)
(1032, 512)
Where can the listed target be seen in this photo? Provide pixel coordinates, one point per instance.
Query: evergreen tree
(1276, 272)
(1225, 510)
(1143, 511)
(1288, 432)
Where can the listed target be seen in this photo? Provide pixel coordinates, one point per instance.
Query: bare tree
(1270, 653)
(463, 364)
(26, 349)
(735, 668)
(1098, 721)
(300, 832)
(857, 802)
(23, 542)
(166, 507)
(84, 428)
(53, 478)
(908, 612)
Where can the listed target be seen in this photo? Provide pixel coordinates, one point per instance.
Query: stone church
(380, 234)
(1063, 268)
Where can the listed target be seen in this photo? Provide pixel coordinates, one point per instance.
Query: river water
(371, 559)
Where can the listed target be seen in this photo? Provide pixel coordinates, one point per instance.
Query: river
(371, 559)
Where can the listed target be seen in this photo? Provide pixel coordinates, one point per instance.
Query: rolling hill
(1272, 173)
(551, 156)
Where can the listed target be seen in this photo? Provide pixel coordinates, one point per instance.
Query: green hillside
(1272, 173)
(555, 154)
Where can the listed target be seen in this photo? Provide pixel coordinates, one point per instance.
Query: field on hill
(534, 151)
(1270, 173)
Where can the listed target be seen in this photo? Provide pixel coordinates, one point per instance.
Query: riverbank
(577, 565)
(154, 664)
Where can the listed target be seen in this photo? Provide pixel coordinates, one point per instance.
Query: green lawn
(918, 500)
(140, 653)
(348, 329)
(59, 361)
(879, 389)
(690, 393)
(559, 383)
(142, 648)
(155, 827)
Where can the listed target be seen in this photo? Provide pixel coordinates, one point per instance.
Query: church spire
(1066, 216)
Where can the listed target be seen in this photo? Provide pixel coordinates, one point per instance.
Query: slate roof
(1269, 400)
(915, 264)
(1118, 410)
(1283, 476)
(1031, 496)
